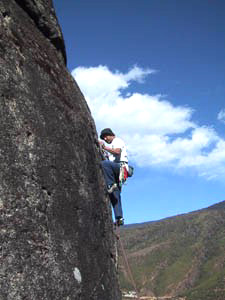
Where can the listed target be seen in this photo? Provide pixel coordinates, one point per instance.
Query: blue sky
(154, 71)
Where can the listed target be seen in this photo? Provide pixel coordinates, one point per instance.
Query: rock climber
(116, 155)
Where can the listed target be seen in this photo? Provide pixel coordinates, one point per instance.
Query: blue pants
(111, 171)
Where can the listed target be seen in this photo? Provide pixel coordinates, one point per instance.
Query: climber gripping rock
(114, 165)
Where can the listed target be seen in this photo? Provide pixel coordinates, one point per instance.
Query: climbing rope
(127, 263)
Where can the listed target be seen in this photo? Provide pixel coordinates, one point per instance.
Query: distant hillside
(182, 256)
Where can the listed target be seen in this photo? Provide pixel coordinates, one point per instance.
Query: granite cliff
(56, 234)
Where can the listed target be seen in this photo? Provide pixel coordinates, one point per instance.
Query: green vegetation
(180, 256)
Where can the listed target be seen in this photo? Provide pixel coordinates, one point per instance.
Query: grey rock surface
(56, 238)
(43, 14)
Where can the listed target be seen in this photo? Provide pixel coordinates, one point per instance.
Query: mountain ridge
(213, 206)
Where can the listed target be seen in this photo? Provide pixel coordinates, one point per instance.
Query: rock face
(56, 234)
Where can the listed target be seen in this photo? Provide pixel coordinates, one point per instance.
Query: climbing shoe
(112, 188)
(120, 222)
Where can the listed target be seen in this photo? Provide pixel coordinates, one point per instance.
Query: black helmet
(105, 132)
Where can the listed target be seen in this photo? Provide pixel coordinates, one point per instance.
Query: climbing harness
(125, 172)
(127, 266)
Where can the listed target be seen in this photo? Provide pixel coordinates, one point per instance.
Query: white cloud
(221, 116)
(156, 132)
